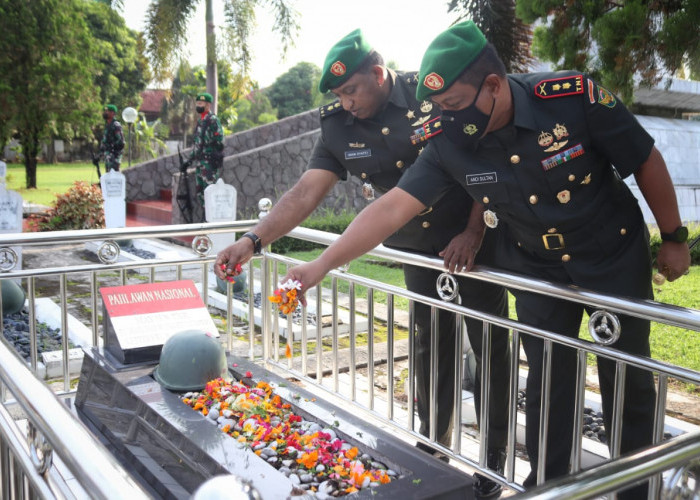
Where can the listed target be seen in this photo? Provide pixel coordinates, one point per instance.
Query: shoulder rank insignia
(559, 87)
(428, 130)
(330, 109)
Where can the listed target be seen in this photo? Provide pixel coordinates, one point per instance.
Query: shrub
(323, 220)
(79, 208)
(693, 232)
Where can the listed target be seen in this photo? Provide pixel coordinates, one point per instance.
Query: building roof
(153, 100)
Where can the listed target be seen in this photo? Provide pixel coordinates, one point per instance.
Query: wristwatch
(257, 244)
(680, 235)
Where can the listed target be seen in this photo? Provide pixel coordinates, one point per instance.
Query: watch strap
(679, 235)
(257, 244)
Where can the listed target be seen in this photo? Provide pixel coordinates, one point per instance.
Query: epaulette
(426, 131)
(330, 109)
(410, 77)
(559, 87)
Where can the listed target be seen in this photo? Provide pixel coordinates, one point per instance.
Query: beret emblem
(433, 81)
(338, 68)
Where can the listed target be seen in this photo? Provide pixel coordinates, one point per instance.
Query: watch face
(682, 234)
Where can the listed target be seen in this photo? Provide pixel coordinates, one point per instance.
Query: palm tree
(166, 31)
(509, 35)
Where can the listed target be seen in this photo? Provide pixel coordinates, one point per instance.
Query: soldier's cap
(447, 57)
(344, 58)
(205, 96)
(110, 107)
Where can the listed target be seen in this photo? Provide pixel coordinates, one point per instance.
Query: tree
(296, 90)
(167, 33)
(178, 110)
(124, 71)
(46, 73)
(508, 34)
(617, 41)
(253, 110)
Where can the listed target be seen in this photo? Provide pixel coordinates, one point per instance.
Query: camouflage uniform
(208, 152)
(112, 145)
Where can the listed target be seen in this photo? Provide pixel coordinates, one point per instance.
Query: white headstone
(11, 217)
(220, 206)
(114, 194)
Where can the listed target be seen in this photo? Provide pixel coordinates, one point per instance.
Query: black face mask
(465, 127)
(199, 109)
(105, 115)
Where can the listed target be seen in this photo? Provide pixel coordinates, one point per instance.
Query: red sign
(147, 298)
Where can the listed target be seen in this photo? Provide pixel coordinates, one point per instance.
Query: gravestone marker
(138, 319)
(220, 206)
(10, 219)
(113, 185)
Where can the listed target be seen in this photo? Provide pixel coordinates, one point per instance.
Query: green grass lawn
(668, 343)
(51, 179)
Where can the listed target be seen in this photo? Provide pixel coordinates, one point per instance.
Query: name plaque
(138, 319)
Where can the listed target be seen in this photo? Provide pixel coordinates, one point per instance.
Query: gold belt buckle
(559, 242)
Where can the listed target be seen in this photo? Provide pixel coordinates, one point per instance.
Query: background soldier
(537, 150)
(112, 143)
(367, 133)
(208, 146)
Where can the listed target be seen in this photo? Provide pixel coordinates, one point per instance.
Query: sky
(398, 29)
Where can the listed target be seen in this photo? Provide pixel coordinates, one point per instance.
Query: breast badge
(564, 196)
(426, 107)
(367, 191)
(490, 219)
(546, 140)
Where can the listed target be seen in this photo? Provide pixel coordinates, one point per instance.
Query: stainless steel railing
(270, 268)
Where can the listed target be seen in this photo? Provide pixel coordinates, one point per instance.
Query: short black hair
(374, 58)
(487, 63)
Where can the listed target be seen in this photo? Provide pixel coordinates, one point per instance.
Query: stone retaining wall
(145, 180)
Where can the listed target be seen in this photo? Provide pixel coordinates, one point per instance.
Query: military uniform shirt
(112, 144)
(549, 174)
(379, 151)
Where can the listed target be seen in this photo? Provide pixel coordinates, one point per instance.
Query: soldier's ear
(380, 74)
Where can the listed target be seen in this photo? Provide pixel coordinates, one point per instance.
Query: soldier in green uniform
(367, 133)
(112, 143)
(536, 151)
(208, 149)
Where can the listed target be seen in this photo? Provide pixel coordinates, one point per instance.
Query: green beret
(110, 107)
(205, 96)
(343, 60)
(448, 56)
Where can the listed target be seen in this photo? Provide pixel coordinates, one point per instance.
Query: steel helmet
(189, 360)
(13, 297)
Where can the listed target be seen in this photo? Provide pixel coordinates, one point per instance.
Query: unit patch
(559, 87)
(563, 157)
(358, 153)
(606, 98)
(482, 178)
(428, 130)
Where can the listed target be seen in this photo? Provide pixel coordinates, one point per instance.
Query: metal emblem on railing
(604, 327)
(202, 245)
(447, 287)
(8, 259)
(40, 450)
(108, 253)
(683, 482)
(264, 205)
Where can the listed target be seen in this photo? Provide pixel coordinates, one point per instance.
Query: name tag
(358, 153)
(484, 178)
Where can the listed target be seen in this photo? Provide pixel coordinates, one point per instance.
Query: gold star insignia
(410, 114)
